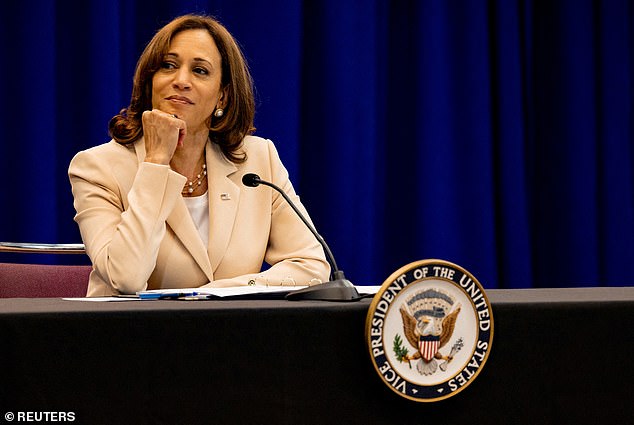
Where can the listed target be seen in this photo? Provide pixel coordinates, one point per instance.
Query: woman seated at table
(162, 204)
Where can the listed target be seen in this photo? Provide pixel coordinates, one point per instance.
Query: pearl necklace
(190, 186)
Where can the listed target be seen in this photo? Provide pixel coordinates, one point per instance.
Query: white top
(198, 207)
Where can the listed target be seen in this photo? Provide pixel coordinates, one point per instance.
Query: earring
(219, 112)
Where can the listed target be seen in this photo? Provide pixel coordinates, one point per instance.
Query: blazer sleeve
(122, 231)
(295, 255)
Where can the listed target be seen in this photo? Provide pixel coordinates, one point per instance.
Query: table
(559, 356)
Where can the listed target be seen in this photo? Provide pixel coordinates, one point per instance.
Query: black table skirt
(558, 357)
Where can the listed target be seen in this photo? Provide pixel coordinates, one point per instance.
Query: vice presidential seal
(429, 330)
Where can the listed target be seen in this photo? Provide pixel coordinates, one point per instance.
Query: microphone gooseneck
(338, 288)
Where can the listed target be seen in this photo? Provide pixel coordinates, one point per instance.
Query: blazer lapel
(224, 196)
(181, 223)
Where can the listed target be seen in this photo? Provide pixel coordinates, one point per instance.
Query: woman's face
(188, 82)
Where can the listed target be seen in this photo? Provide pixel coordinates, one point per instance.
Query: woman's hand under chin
(162, 133)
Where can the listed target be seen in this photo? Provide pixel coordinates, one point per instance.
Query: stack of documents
(247, 292)
(235, 292)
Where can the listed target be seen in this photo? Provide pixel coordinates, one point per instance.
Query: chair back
(43, 280)
(34, 280)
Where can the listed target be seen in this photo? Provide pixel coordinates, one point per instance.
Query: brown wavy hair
(226, 131)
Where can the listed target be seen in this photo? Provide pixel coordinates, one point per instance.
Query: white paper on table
(103, 299)
(367, 290)
(233, 291)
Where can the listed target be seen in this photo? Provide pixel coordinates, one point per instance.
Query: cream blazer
(139, 233)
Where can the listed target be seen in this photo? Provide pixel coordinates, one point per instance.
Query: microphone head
(251, 180)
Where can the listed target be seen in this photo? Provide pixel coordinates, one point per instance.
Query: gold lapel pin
(225, 196)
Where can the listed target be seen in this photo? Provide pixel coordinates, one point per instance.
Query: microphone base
(335, 290)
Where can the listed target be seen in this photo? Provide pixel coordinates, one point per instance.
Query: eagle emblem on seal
(429, 318)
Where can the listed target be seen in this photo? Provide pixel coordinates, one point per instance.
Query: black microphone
(339, 288)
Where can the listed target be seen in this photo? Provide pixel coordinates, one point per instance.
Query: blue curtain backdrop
(494, 134)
